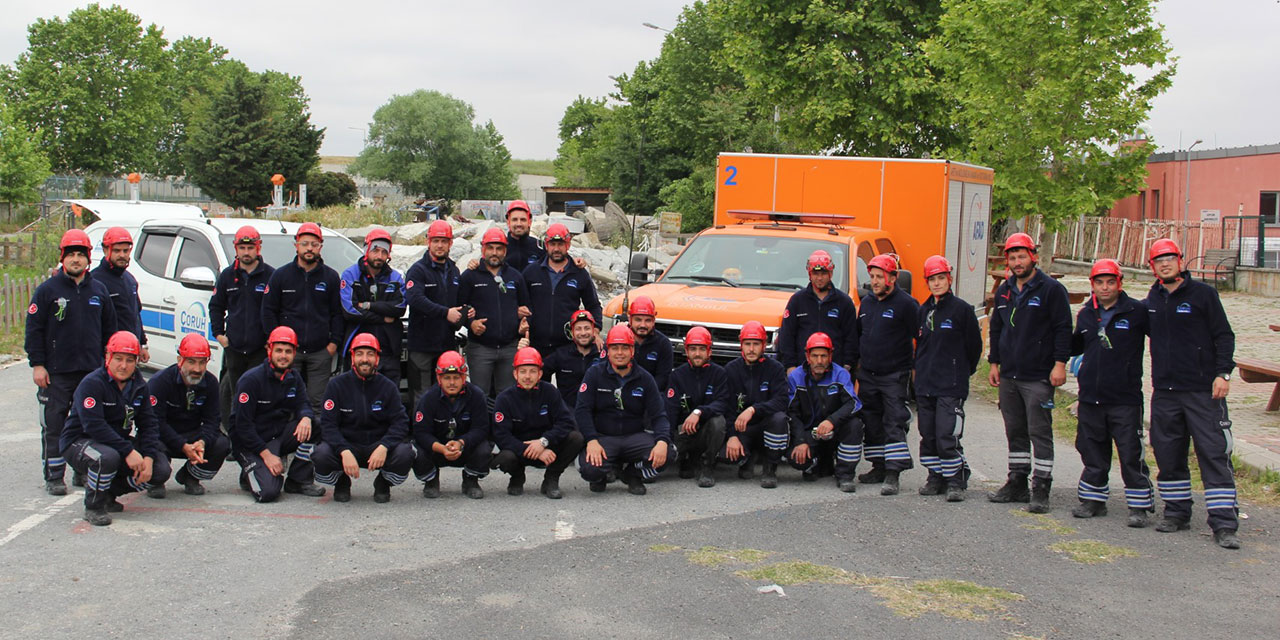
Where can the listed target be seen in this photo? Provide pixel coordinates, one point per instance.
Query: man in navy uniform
(653, 351)
(759, 392)
(1192, 346)
(819, 307)
(69, 321)
(451, 428)
(373, 300)
(696, 403)
(824, 429)
(111, 425)
(184, 398)
(522, 248)
(533, 428)
(112, 272)
(570, 362)
(498, 294)
(557, 288)
(431, 291)
(235, 314)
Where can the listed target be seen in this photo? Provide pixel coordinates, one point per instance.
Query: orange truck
(773, 210)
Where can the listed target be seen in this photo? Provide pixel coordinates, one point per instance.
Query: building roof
(576, 189)
(1214, 154)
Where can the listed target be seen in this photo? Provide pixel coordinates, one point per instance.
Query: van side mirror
(638, 270)
(904, 281)
(197, 278)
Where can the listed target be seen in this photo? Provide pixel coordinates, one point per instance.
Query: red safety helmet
(440, 229)
(527, 356)
(375, 235)
(517, 204)
(620, 334)
(123, 342)
(494, 236)
(697, 336)
(1019, 241)
(643, 306)
(115, 236)
(309, 228)
(933, 265)
(818, 340)
(753, 330)
(1106, 267)
(451, 362)
(580, 315)
(820, 261)
(365, 341)
(75, 239)
(884, 262)
(248, 234)
(1163, 247)
(283, 334)
(194, 345)
(557, 231)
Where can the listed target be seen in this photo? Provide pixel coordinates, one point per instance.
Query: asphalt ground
(220, 565)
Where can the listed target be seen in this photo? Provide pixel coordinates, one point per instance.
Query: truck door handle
(170, 300)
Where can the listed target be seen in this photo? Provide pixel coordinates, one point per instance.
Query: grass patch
(533, 167)
(345, 216)
(1092, 551)
(799, 572)
(663, 548)
(715, 556)
(1042, 522)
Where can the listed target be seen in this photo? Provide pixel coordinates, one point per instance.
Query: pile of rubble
(608, 265)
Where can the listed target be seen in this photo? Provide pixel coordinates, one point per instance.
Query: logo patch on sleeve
(408, 285)
(33, 308)
(786, 313)
(244, 397)
(153, 401)
(90, 403)
(498, 417)
(671, 392)
(582, 388)
(328, 404)
(417, 417)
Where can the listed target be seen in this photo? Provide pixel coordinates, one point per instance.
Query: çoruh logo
(195, 319)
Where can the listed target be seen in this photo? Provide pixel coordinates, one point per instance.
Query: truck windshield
(338, 253)
(754, 261)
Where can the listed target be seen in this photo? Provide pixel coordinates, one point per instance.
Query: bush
(694, 198)
(329, 188)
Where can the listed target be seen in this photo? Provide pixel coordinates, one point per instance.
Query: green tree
(428, 143)
(255, 126)
(198, 68)
(578, 162)
(848, 76)
(328, 188)
(23, 165)
(1048, 94)
(94, 84)
(694, 198)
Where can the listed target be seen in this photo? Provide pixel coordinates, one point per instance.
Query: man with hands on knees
(271, 419)
(533, 428)
(184, 398)
(620, 414)
(698, 398)
(758, 384)
(451, 429)
(823, 424)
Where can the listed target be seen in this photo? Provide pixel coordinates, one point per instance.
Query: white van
(177, 258)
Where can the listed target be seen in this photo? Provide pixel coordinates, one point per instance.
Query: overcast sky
(521, 63)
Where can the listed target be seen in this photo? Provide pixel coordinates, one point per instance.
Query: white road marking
(30, 522)
(564, 528)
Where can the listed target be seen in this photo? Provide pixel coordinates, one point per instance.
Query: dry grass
(1092, 551)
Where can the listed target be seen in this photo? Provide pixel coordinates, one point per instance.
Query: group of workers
(837, 393)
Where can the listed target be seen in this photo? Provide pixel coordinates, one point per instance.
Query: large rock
(603, 277)
(606, 225)
(472, 230)
(461, 247)
(410, 233)
(588, 240)
(404, 255)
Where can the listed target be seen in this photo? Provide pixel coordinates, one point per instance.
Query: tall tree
(255, 126)
(1048, 94)
(94, 84)
(198, 68)
(23, 165)
(848, 76)
(428, 142)
(577, 162)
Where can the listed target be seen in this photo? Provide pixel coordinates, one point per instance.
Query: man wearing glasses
(1111, 330)
(497, 293)
(1030, 345)
(235, 314)
(1192, 345)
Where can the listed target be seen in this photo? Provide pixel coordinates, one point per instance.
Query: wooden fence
(15, 296)
(18, 251)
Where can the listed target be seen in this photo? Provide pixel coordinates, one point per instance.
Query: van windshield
(766, 262)
(338, 253)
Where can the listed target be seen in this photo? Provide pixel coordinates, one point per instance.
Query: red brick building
(1242, 181)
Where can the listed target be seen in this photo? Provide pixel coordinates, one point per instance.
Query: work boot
(746, 471)
(769, 476)
(1040, 495)
(1169, 525)
(1226, 538)
(1137, 518)
(342, 489)
(551, 486)
(955, 493)
(635, 484)
(826, 467)
(77, 479)
(157, 492)
(706, 475)
(113, 505)
(934, 485)
(244, 482)
(874, 476)
(515, 486)
(381, 489)
(190, 485)
(431, 488)
(471, 487)
(1089, 509)
(97, 517)
(1014, 490)
(686, 468)
(57, 488)
(308, 489)
(847, 485)
(598, 487)
(890, 487)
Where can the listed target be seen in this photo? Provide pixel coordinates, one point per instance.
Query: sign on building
(1211, 215)
(669, 222)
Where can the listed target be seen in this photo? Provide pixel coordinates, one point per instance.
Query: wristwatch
(697, 412)
(1225, 376)
(544, 442)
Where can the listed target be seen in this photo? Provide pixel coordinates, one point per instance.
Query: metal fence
(1126, 241)
(175, 190)
(1256, 240)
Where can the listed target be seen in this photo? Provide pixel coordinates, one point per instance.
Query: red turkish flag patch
(582, 388)
(671, 392)
(328, 404)
(417, 417)
(409, 285)
(32, 309)
(498, 417)
(90, 403)
(786, 313)
(153, 401)
(244, 397)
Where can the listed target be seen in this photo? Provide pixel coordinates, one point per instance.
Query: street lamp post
(1186, 205)
(654, 26)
